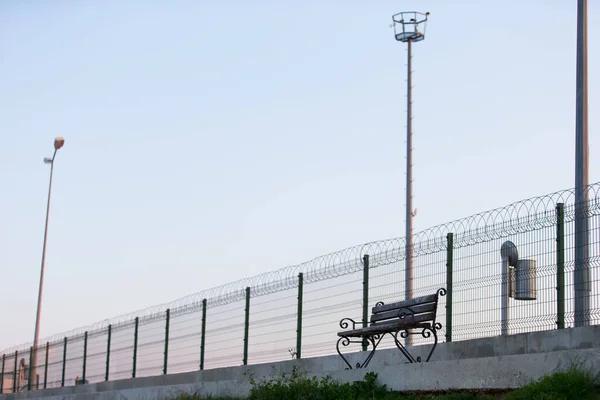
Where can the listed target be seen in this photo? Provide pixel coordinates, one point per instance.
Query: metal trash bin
(525, 282)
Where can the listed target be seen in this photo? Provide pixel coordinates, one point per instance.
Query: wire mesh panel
(39, 362)
(96, 356)
(273, 322)
(569, 265)
(428, 277)
(8, 376)
(55, 364)
(184, 342)
(326, 303)
(478, 278)
(592, 316)
(150, 347)
(477, 282)
(538, 314)
(388, 284)
(594, 265)
(121, 352)
(225, 335)
(74, 361)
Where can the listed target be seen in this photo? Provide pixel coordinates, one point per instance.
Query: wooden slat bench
(401, 318)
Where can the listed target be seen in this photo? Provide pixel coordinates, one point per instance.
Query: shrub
(297, 386)
(573, 383)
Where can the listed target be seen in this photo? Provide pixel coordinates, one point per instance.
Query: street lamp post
(58, 143)
(582, 251)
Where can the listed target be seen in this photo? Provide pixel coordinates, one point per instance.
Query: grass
(571, 384)
(574, 383)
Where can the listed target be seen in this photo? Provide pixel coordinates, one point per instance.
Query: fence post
(15, 372)
(30, 364)
(167, 341)
(299, 323)
(108, 353)
(365, 310)
(45, 366)
(560, 265)
(246, 326)
(64, 363)
(203, 337)
(2, 380)
(85, 343)
(135, 346)
(449, 277)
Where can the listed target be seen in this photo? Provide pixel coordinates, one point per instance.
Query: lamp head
(509, 252)
(59, 142)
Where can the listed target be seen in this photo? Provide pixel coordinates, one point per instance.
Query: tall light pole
(409, 27)
(581, 272)
(58, 143)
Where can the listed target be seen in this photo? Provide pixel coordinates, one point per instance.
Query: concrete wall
(499, 362)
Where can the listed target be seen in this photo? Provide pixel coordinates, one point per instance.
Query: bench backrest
(415, 311)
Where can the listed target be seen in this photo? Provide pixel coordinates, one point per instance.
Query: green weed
(573, 383)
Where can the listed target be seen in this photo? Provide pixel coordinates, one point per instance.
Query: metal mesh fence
(296, 311)
(273, 320)
(53, 376)
(184, 343)
(120, 360)
(224, 335)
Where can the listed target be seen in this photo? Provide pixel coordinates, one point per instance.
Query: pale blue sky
(207, 142)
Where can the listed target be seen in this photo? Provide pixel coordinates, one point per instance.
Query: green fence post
(135, 346)
(2, 380)
(299, 323)
(560, 265)
(64, 363)
(15, 372)
(30, 364)
(167, 341)
(46, 365)
(108, 353)
(246, 326)
(449, 277)
(203, 337)
(85, 343)
(365, 310)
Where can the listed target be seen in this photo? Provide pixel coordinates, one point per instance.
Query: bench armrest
(345, 322)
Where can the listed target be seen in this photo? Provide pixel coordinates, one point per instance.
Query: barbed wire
(525, 215)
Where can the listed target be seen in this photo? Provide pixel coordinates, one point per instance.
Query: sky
(206, 142)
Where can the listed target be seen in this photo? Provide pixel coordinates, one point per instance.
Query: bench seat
(382, 328)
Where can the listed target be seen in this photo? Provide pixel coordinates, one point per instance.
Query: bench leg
(345, 341)
(427, 333)
(375, 342)
(403, 349)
